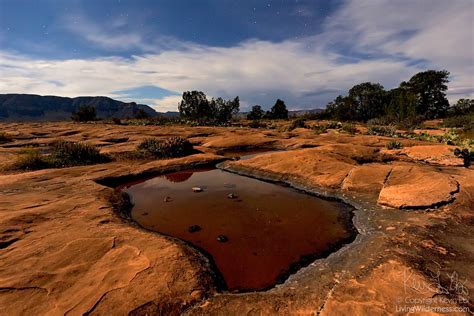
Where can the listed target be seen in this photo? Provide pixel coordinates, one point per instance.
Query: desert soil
(65, 250)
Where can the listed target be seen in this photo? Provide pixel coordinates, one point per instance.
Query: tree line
(422, 96)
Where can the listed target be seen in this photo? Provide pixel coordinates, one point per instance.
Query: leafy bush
(85, 113)
(349, 128)
(466, 154)
(169, 148)
(381, 130)
(394, 145)
(67, 154)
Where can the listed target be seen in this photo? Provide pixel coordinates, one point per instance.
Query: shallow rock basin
(256, 233)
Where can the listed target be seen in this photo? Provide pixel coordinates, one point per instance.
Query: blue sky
(305, 52)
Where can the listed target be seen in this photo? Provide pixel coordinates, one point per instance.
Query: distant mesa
(30, 107)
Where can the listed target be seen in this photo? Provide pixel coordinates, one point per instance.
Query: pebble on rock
(194, 228)
(222, 238)
(232, 196)
(197, 189)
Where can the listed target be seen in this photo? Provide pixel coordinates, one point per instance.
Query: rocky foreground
(63, 248)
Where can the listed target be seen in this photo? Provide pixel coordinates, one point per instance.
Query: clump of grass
(67, 154)
(63, 154)
(4, 137)
(394, 145)
(169, 148)
(30, 159)
(349, 128)
(381, 130)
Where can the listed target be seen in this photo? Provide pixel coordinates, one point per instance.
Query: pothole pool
(255, 232)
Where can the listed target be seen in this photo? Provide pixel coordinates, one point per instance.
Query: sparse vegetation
(297, 123)
(84, 113)
(169, 148)
(257, 124)
(63, 154)
(381, 130)
(394, 145)
(322, 128)
(349, 128)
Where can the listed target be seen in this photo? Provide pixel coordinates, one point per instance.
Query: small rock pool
(255, 232)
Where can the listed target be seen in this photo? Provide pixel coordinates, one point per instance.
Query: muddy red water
(256, 232)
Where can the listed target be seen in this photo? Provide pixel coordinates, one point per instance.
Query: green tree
(279, 111)
(429, 88)
(84, 113)
(368, 99)
(256, 113)
(402, 104)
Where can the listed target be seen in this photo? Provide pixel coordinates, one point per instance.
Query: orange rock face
(417, 187)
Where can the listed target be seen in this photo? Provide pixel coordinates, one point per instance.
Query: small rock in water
(232, 196)
(222, 238)
(194, 228)
(197, 189)
(168, 199)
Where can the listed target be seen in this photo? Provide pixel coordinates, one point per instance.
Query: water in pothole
(256, 232)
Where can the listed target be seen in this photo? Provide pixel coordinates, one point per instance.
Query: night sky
(304, 52)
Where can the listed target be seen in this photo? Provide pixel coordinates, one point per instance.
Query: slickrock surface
(434, 154)
(64, 250)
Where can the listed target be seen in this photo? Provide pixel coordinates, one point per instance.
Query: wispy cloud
(383, 41)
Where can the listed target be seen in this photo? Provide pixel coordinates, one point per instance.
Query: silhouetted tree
(84, 113)
(224, 109)
(256, 113)
(429, 88)
(368, 99)
(194, 106)
(278, 111)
